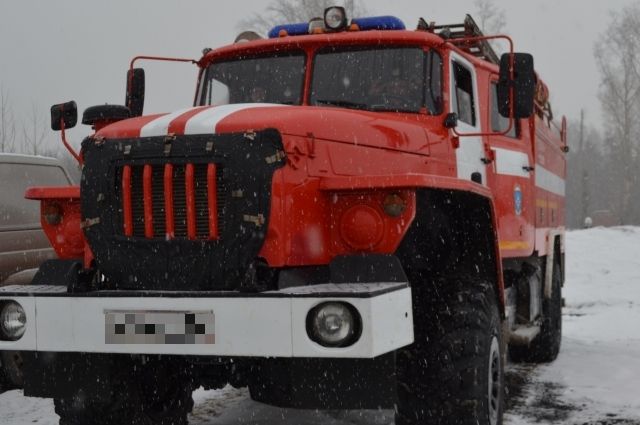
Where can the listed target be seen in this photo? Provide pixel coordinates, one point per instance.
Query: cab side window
(499, 123)
(434, 82)
(464, 103)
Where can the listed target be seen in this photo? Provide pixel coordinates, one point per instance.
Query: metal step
(523, 335)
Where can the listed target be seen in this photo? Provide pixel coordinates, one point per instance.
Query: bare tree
(34, 132)
(292, 11)
(7, 123)
(490, 17)
(589, 171)
(617, 55)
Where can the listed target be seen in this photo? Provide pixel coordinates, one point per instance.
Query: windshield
(273, 79)
(404, 79)
(380, 79)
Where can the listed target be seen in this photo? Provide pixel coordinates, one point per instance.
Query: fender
(432, 182)
(403, 181)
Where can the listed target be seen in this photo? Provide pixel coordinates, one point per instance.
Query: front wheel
(454, 371)
(155, 393)
(12, 362)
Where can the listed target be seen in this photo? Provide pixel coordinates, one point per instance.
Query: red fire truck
(350, 215)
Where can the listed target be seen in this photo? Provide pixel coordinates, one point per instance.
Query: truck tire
(166, 395)
(545, 347)
(120, 408)
(5, 385)
(150, 395)
(454, 371)
(11, 362)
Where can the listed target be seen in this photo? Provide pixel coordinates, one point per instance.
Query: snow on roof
(31, 159)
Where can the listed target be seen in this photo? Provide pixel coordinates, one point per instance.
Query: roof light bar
(291, 29)
(379, 23)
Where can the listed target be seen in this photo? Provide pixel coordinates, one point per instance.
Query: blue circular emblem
(517, 200)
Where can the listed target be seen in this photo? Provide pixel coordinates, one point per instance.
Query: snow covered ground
(596, 378)
(595, 381)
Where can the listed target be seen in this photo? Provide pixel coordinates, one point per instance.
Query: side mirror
(135, 91)
(67, 112)
(523, 84)
(451, 120)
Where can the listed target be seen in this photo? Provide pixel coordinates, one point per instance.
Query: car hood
(396, 131)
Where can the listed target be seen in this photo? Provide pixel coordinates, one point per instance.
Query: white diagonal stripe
(549, 181)
(206, 121)
(160, 126)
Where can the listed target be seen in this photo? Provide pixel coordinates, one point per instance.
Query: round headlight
(334, 324)
(13, 321)
(335, 18)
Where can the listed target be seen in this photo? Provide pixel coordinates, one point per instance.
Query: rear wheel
(454, 372)
(545, 347)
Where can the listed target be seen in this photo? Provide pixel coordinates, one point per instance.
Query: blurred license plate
(159, 327)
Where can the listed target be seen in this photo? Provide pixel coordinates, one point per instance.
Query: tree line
(29, 135)
(26, 134)
(603, 167)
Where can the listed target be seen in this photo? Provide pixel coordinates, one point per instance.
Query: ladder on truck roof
(481, 48)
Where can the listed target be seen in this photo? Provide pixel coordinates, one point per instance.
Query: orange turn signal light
(394, 205)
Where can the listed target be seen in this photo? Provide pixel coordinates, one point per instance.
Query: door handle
(528, 168)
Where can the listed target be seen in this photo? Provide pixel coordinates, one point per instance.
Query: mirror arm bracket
(72, 151)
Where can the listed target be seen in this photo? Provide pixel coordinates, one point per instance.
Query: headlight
(334, 324)
(335, 18)
(13, 321)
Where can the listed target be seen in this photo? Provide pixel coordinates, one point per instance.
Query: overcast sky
(54, 51)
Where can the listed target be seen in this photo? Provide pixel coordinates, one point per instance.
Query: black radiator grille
(158, 201)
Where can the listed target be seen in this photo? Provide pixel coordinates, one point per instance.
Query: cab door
(464, 102)
(511, 179)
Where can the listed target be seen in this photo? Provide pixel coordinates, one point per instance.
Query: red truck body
(401, 151)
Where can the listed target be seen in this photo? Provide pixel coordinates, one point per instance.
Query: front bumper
(269, 324)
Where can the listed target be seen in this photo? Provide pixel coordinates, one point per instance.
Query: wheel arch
(454, 233)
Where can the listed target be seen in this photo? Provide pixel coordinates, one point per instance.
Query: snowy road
(595, 381)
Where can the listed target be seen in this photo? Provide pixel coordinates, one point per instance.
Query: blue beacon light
(379, 23)
(291, 29)
(385, 23)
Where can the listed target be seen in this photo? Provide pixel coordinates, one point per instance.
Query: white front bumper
(271, 324)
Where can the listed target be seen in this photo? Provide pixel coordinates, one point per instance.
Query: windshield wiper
(384, 108)
(364, 106)
(341, 103)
